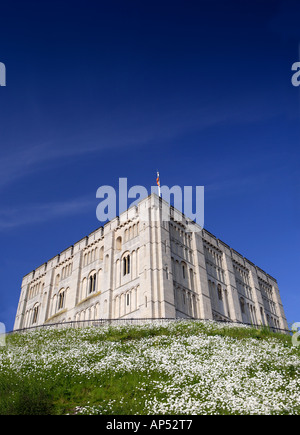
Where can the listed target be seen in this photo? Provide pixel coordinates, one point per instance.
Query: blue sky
(200, 90)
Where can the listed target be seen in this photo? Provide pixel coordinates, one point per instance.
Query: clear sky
(200, 90)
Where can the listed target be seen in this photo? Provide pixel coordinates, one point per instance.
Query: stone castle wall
(140, 266)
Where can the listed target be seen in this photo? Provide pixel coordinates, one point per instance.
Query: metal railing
(139, 321)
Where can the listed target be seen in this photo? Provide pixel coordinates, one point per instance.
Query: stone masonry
(140, 266)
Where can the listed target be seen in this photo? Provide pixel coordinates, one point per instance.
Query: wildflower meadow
(175, 368)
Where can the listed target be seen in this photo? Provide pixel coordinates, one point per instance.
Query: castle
(141, 266)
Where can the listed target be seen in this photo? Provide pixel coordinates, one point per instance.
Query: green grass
(47, 372)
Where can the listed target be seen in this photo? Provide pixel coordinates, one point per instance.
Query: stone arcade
(140, 266)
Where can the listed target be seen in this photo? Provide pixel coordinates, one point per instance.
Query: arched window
(242, 303)
(119, 243)
(35, 314)
(183, 270)
(106, 262)
(61, 300)
(56, 280)
(92, 282)
(219, 292)
(126, 265)
(262, 315)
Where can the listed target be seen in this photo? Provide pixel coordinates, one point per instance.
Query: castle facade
(141, 266)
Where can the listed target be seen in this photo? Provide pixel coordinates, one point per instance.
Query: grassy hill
(181, 367)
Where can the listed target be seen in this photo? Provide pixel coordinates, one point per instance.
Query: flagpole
(158, 184)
